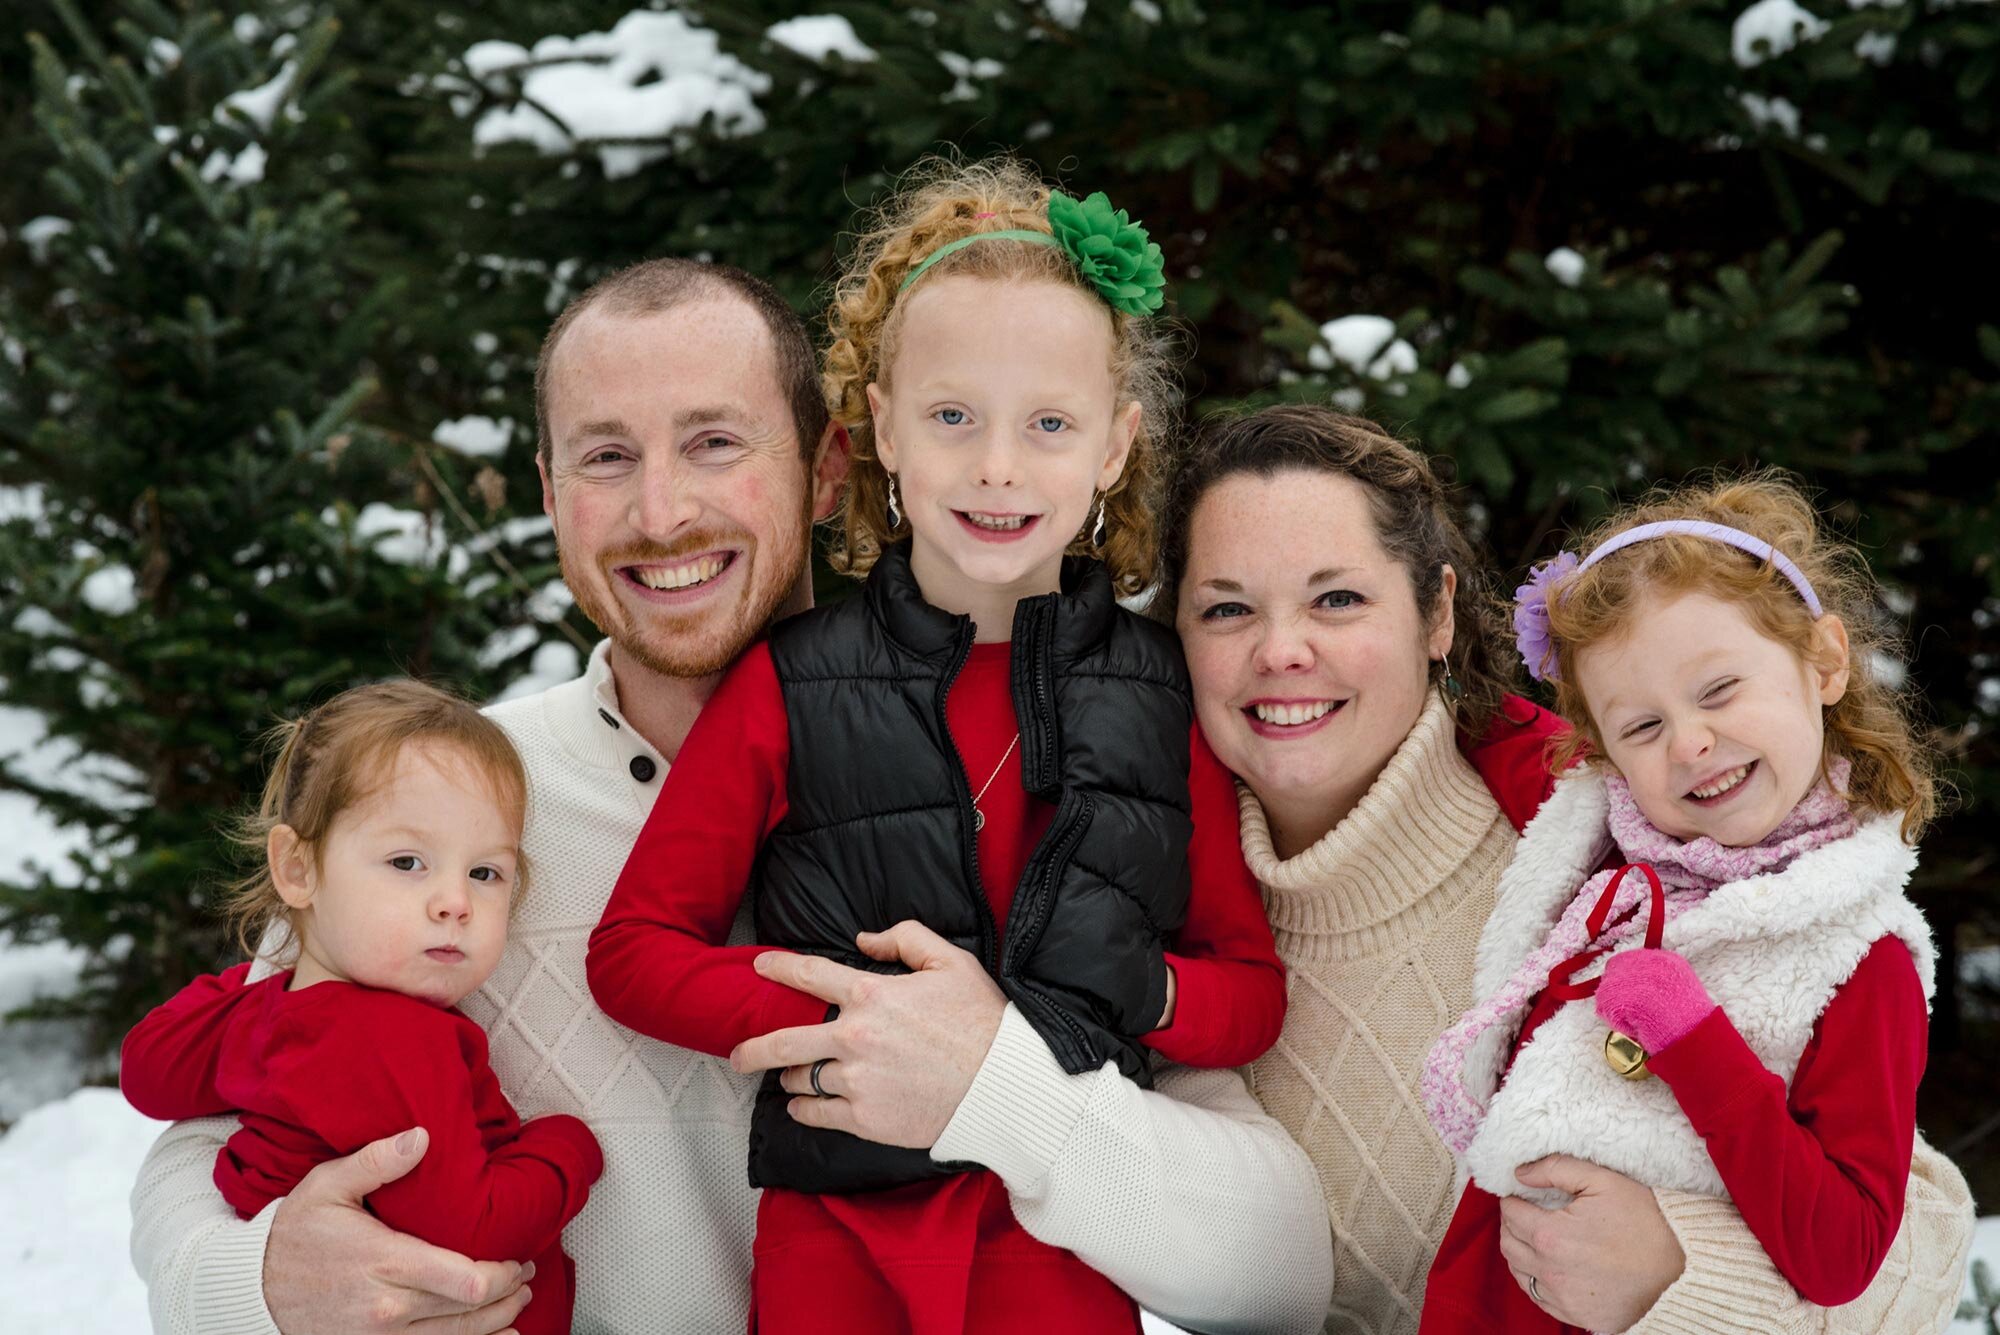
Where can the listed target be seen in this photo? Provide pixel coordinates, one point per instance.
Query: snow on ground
(1985, 1247)
(69, 1167)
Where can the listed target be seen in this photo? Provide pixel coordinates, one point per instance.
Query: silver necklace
(978, 816)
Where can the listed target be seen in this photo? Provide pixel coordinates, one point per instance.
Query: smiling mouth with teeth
(686, 575)
(1292, 714)
(1722, 783)
(997, 523)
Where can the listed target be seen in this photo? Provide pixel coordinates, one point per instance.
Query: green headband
(1111, 251)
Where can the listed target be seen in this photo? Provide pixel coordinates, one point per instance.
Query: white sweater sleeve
(1187, 1196)
(203, 1267)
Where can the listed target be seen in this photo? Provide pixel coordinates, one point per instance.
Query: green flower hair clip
(1111, 251)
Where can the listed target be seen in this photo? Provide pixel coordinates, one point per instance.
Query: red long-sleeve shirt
(656, 963)
(318, 1073)
(1818, 1174)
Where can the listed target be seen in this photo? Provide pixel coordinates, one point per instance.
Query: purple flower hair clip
(1531, 615)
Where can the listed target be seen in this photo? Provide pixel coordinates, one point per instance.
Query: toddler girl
(982, 740)
(1724, 880)
(391, 831)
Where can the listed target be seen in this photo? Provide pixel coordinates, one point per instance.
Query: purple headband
(1531, 600)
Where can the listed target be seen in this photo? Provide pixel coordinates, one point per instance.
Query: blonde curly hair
(1871, 725)
(937, 202)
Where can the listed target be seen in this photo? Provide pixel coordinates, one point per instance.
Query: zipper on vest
(1033, 658)
(1024, 929)
(989, 945)
(1034, 636)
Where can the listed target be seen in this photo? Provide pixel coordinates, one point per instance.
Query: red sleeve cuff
(1226, 1013)
(1711, 1071)
(782, 1007)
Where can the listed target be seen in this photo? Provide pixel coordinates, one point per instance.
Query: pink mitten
(1652, 996)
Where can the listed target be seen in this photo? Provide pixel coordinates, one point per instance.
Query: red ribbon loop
(1560, 985)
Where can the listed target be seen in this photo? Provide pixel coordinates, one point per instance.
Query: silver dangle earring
(1097, 529)
(1454, 690)
(895, 509)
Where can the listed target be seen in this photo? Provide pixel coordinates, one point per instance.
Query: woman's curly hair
(1870, 725)
(937, 202)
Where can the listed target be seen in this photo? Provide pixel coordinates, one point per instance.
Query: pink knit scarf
(1689, 869)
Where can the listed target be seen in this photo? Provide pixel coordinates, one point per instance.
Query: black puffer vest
(879, 826)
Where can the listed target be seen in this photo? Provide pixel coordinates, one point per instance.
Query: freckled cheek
(588, 517)
(1359, 660)
(1218, 669)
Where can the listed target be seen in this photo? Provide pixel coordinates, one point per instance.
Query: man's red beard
(696, 643)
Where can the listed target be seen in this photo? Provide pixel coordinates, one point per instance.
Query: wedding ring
(817, 1067)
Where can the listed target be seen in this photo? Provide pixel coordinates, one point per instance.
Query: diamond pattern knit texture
(1377, 923)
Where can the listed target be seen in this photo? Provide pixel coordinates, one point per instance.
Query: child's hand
(1652, 996)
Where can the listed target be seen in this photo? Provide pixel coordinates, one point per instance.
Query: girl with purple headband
(1721, 883)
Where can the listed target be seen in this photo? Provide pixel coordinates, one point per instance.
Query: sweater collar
(583, 714)
(1082, 609)
(1420, 820)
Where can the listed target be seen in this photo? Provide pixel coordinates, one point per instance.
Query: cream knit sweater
(1377, 924)
(1188, 1195)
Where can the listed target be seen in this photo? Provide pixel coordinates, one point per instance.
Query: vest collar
(1081, 612)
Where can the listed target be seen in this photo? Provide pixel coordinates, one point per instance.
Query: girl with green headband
(982, 740)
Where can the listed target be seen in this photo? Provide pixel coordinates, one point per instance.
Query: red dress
(318, 1073)
(944, 1256)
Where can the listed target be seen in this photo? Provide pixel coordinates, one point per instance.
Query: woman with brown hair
(1350, 667)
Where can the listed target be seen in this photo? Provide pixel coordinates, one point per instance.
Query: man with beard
(684, 453)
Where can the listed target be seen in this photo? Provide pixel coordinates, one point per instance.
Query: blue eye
(1051, 424)
(1339, 599)
(951, 416)
(1225, 611)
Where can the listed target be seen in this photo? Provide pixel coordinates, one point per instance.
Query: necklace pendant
(978, 820)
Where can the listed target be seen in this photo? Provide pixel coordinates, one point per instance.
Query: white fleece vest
(1771, 950)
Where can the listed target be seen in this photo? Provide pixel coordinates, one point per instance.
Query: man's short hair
(654, 286)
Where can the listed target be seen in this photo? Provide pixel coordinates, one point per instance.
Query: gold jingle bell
(1625, 1056)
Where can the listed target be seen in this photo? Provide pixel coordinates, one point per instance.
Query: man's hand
(904, 1048)
(330, 1266)
(1601, 1261)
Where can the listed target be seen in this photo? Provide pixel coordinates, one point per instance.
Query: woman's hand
(904, 1048)
(332, 1267)
(1601, 1261)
